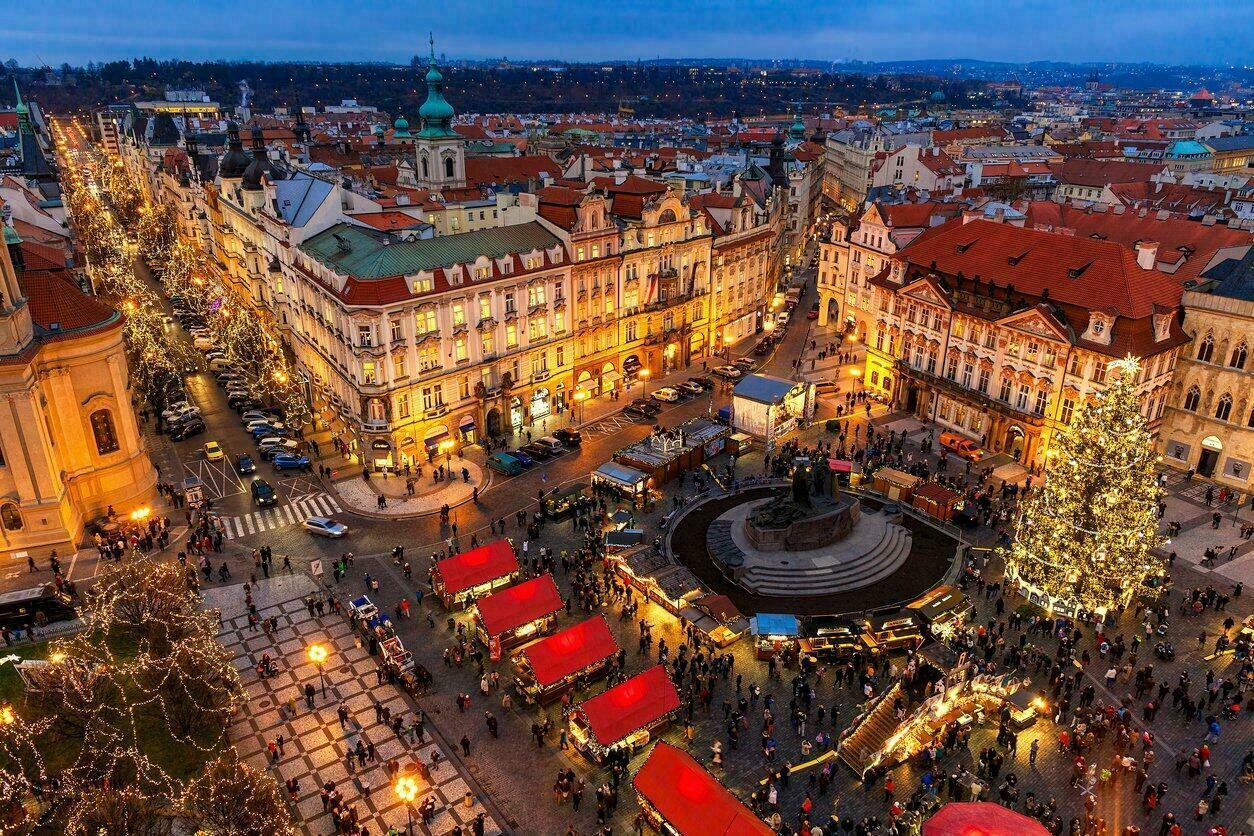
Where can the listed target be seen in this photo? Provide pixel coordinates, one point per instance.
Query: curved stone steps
(888, 555)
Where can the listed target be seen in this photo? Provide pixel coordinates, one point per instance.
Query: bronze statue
(801, 486)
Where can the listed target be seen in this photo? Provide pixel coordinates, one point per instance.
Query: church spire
(437, 114)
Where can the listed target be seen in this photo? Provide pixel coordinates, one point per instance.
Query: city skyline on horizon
(1216, 35)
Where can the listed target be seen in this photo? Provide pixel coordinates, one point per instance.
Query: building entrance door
(1206, 463)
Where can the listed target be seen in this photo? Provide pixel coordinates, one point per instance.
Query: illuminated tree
(230, 797)
(125, 812)
(1083, 539)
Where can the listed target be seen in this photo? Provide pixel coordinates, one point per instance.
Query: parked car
(729, 372)
(763, 348)
(551, 444)
(537, 451)
(650, 407)
(637, 413)
(290, 461)
(270, 446)
(186, 429)
(325, 527)
(244, 464)
(203, 343)
(252, 416)
(782, 318)
(703, 382)
(746, 363)
(263, 493)
(176, 409)
(213, 451)
(505, 463)
(667, 394)
(571, 438)
(242, 402)
(523, 458)
(265, 430)
(961, 446)
(813, 313)
(691, 388)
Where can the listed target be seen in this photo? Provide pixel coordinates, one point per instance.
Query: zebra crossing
(280, 516)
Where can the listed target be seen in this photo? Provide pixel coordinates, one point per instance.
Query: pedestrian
(465, 746)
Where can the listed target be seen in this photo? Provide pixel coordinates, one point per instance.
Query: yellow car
(213, 451)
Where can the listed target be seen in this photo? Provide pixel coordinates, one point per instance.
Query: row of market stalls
(648, 464)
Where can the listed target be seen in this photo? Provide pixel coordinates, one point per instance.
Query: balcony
(375, 426)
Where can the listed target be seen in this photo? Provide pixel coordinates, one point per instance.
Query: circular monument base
(823, 525)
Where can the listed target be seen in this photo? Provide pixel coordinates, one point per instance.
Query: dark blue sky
(1163, 31)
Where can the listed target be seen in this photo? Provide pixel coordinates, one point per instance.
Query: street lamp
(644, 377)
(318, 655)
(407, 790)
(580, 397)
(7, 715)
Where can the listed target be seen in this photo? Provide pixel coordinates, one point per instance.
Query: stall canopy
(571, 650)
(519, 605)
(477, 566)
(981, 819)
(627, 477)
(770, 624)
(691, 800)
(630, 705)
(764, 388)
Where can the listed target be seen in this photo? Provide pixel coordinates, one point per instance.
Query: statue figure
(801, 487)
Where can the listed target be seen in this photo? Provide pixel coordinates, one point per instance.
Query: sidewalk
(429, 496)
(315, 744)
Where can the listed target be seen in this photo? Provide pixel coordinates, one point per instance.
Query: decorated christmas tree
(1083, 539)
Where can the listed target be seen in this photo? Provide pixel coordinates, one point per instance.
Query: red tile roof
(632, 184)
(56, 301)
(1101, 173)
(388, 220)
(967, 135)
(502, 170)
(42, 257)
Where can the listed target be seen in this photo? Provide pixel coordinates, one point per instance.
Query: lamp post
(580, 397)
(407, 790)
(643, 374)
(318, 655)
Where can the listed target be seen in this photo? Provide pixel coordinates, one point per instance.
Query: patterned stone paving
(315, 745)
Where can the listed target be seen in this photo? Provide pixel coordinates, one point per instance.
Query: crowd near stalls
(548, 668)
(666, 454)
(517, 614)
(626, 716)
(460, 579)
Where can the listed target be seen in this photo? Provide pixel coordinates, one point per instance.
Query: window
(510, 304)
(482, 273)
(1073, 364)
(630, 334)
(1041, 401)
(985, 376)
(448, 167)
(1238, 357)
(1191, 399)
(1005, 389)
(967, 371)
(424, 285)
(1067, 410)
(368, 372)
(365, 336)
(561, 356)
(395, 327)
(429, 358)
(398, 365)
(1206, 348)
(951, 368)
(537, 328)
(1224, 408)
(432, 397)
(459, 314)
(102, 428)
(402, 405)
(460, 353)
(511, 335)
(535, 295)
(424, 322)
(485, 307)
(559, 321)
(11, 517)
(488, 344)
(1099, 372)
(1021, 402)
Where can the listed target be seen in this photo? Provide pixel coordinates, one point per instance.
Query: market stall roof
(939, 494)
(764, 388)
(897, 477)
(619, 474)
(519, 605)
(718, 606)
(477, 566)
(630, 705)
(941, 600)
(772, 624)
(571, 650)
(692, 800)
(981, 819)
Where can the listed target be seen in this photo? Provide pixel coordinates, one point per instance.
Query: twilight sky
(1161, 31)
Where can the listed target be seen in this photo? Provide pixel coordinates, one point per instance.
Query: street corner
(398, 495)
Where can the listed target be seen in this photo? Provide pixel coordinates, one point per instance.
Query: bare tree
(230, 797)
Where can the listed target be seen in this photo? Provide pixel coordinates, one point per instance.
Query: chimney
(969, 215)
(999, 215)
(1147, 254)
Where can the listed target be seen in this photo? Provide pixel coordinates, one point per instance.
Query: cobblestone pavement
(315, 742)
(525, 794)
(363, 496)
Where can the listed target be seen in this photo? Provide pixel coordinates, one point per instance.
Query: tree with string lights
(1083, 539)
(232, 797)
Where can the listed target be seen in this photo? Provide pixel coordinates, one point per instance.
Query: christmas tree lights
(1084, 538)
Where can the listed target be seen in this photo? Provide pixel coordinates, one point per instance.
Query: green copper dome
(401, 124)
(436, 112)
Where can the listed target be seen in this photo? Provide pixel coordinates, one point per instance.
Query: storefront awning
(610, 378)
(477, 566)
(518, 605)
(432, 441)
(981, 817)
(691, 800)
(570, 651)
(630, 705)
(467, 423)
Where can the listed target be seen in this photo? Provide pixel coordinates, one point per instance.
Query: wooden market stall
(470, 574)
(831, 638)
(517, 614)
(679, 797)
(622, 480)
(775, 633)
(936, 501)
(656, 576)
(625, 716)
(985, 818)
(664, 454)
(944, 609)
(895, 484)
(894, 630)
(718, 618)
(548, 668)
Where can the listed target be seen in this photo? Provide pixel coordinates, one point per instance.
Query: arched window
(448, 167)
(1238, 356)
(426, 169)
(11, 517)
(1206, 348)
(1224, 408)
(1191, 399)
(102, 428)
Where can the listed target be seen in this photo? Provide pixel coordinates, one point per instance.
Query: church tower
(16, 330)
(439, 151)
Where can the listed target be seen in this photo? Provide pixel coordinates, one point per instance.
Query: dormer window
(1100, 327)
